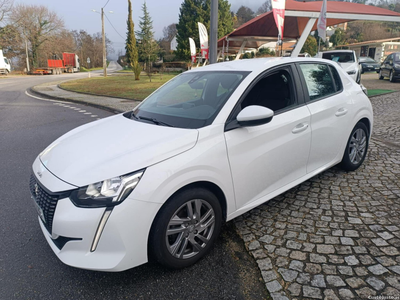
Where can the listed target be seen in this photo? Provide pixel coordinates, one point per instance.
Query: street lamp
(104, 40)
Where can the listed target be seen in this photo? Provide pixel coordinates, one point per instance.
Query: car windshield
(190, 100)
(342, 57)
(396, 57)
(367, 60)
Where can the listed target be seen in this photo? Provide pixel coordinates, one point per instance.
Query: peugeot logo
(39, 174)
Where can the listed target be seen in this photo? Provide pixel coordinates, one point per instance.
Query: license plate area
(39, 210)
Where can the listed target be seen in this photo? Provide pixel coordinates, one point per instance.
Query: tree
(148, 47)
(10, 41)
(265, 7)
(37, 24)
(244, 14)
(310, 46)
(130, 47)
(193, 11)
(5, 8)
(338, 37)
(169, 32)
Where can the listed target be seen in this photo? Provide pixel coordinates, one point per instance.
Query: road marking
(88, 113)
(43, 99)
(93, 116)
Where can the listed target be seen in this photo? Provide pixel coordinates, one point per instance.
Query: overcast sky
(78, 15)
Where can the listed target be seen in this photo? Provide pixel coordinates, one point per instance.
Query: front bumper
(123, 241)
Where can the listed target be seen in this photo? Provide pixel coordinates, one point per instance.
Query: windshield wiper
(155, 121)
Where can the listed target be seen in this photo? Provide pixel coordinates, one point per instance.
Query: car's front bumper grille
(46, 202)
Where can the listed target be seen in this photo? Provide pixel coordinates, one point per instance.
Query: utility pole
(27, 57)
(104, 44)
(213, 31)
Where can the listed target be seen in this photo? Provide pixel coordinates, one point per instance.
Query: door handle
(300, 127)
(341, 112)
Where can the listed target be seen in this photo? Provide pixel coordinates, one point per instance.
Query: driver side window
(275, 91)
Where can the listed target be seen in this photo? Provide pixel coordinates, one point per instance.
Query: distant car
(390, 67)
(347, 60)
(369, 65)
(211, 144)
(305, 54)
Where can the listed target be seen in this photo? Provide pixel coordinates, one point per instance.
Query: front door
(267, 157)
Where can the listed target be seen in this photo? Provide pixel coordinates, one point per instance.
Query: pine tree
(193, 11)
(148, 47)
(130, 47)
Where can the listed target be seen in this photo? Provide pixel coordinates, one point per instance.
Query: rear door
(265, 158)
(330, 107)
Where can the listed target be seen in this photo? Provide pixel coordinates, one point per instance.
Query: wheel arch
(367, 123)
(212, 187)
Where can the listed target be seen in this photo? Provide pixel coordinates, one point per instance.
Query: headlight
(109, 192)
(351, 72)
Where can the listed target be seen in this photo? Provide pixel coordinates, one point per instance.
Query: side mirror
(254, 115)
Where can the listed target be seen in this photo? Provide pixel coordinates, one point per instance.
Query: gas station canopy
(300, 20)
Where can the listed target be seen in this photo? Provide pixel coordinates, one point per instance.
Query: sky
(78, 15)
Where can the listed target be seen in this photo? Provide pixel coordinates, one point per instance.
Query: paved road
(28, 267)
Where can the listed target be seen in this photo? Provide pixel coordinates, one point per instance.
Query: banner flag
(278, 9)
(322, 21)
(192, 49)
(203, 40)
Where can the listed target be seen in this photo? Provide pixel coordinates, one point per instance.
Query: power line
(106, 3)
(113, 26)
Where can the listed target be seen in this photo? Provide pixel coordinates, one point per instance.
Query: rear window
(342, 57)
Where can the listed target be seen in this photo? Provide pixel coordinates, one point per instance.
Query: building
(377, 49)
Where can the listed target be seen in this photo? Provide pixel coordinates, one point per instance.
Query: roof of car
(334, 51)
(255, 64)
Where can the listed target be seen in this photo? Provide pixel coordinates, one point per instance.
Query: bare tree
(5, 8)
(37, 25)
(169, 32)
(266, 6)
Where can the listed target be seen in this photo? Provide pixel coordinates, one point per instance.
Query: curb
(110, 109)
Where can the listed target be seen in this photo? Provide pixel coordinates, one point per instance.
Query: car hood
(112, 147)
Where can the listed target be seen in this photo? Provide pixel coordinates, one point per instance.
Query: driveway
(336, 236)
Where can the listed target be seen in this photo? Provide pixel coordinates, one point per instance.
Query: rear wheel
(356, 148)
(185, 228)
(380, 75)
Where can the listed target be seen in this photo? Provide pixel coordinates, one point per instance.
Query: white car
(347, 59)
(211, 144)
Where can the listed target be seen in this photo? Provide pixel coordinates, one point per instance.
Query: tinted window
(367, 59)
(396, 56)
(342, 57)
(336, 77)
(274, 92)
(191, 100)
(318, 80)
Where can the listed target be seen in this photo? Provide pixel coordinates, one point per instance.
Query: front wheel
(185, 228)
(356, 148)
(380, 75)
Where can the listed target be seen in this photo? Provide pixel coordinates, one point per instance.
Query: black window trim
(304, 84)
(298, 94)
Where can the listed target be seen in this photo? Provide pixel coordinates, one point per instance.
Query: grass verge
(378, 92)
(123, 86)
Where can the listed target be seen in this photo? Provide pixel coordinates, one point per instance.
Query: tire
(380, 75)
(193, 237)
(356, 148)
(391, 77)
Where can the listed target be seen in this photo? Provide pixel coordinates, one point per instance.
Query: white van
(5, 66)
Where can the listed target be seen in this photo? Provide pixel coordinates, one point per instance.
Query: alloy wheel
(190, 229)
(358, 145)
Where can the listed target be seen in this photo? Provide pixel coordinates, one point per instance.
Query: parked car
(390, 67)
(347, 60)
(157, 182)
(368, 64)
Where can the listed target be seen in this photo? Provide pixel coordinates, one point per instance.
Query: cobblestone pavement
(336, 236)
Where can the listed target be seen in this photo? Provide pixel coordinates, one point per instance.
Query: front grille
(46, 201)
